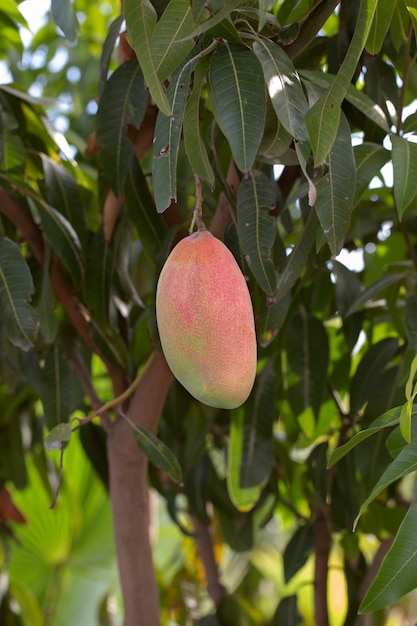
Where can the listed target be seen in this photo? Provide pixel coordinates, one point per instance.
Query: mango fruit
(205, 321)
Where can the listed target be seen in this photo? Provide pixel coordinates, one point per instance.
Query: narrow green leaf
(239, 100)
(296, 261)
(404, 161)
(323, 118)
(412, 10)
(193, 141)
(59, 436)
(359, 99)
(284, 87)
(46, 309)
(398, 572)
(287, 612)
(64, 194)
(171, 39)
(297, 550)
(410, 387)
(243, 498)
(142, 211)
(303, 151)
(225, 10)
(63, 240)
(64, 16)
(336, 189)
(405, 463)
(108, 49)
(369, 158)
(373, 290)
(56, 383)
(257, 454)
(380, 25)
(405, 420)
(369, 372)
(123, 102)
(141, 20)
(308, 355)
(386, 420)
(110, 343)
(99, 275)
(256, 228)
(167, 139)
(16, 287)
(157, 452)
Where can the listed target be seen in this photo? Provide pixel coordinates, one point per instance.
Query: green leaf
(386, 420)
(256, 227)
(171, 39)
(157, 452)
(239, 100)
(373, 290)
(369, 158)
(284, 87)
(287, 612)
(46, 309)
(402, 465)
(380, 25)
(336, 189)
(308, 355)
(56, 387)
(64, 241)
(296, 261)
(64, 16)
(142, 211)
(108, 49)
(16, 287)
(123, 102)
(398, 572)
(167, 138)
(360, 100)
(59, 436)
(323, 118)
(226, 8)
(369, 371)
(141, 20)
(297, 550)
(404, 161)
(99, 275)
(64, 194)
(193, 141)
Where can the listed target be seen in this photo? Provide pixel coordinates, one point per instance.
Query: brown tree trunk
(128, 469)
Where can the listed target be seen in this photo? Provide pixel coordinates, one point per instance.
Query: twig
(205, 550)
(198, 209)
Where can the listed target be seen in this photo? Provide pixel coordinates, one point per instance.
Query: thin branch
(89, 390)
(311, 27)
(205, 550)
(198, 209)
(223, 213)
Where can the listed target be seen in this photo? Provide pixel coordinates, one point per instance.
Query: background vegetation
(300, 120)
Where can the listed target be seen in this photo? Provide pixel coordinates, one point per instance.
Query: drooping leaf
(16, 287)
(239, 100)
(257, 456)
(287, 612)
(167, 139)
(64, 15)
(402, 465)
(404, 161)
(298, 549)
(171, 39)
(323, 118)
(369, 371)
(141, 20)
(380, 25)
(193, 141)
(56, 387)
(142, 211)
(398, 571)
(222, 13)
(296, 261)
(336, 189)
(284, 87)
(63, 193)
(369, 158)
(99, 277)
(12, 455)
(157, 452)
(46, 308)
(256, 228)
(308, 354)
(386, 420)
(108, 48)
(123, 102)
(64, 241)
(372, 290)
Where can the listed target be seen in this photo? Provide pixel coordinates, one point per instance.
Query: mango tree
(287, 130)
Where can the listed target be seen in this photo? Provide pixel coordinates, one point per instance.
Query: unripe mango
(205, 321)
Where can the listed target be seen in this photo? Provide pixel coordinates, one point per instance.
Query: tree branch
(311, 27)
(205, 550)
